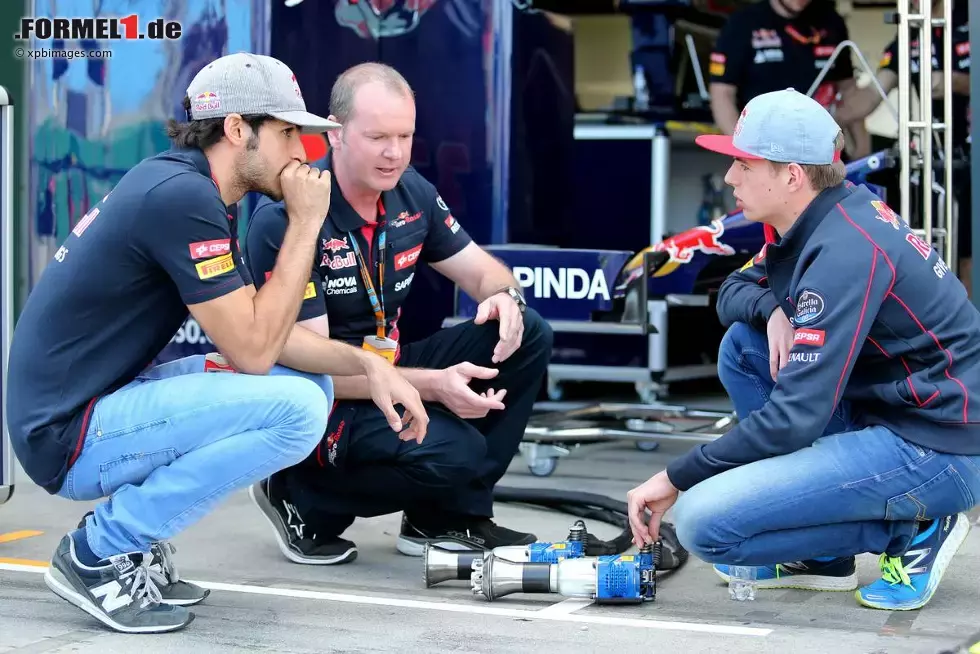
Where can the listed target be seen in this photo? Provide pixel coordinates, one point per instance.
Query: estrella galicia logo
(809, 307)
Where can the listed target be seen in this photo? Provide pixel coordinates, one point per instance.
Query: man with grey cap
(164, 445)
(853, 360)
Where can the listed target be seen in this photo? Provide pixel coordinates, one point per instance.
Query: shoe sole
(56, 581)
(804, 582)
(414, 546)
(184, 602)
(278, 530)
(946, 553)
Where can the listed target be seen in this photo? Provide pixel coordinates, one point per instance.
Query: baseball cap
(246, 83)
(781, 126)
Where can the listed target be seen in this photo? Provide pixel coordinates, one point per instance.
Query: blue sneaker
(834, 575)
(908, 582)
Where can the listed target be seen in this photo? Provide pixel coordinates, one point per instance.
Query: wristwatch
(517, 297)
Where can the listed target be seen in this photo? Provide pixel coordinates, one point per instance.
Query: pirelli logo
(214, 267)
(310, 292)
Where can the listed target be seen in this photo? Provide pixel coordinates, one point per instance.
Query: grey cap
(246, 83)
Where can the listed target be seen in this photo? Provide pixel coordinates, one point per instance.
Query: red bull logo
(206, 101)
(681, 248)
(334, 245)
(886, 214)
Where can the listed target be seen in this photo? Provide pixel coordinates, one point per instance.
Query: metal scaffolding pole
(974, 163)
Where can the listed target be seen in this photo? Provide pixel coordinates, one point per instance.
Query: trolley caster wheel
(544, 467)
(647, 446)
(646, 394)
(555, 392)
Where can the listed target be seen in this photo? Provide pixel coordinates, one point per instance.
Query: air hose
(597, 507)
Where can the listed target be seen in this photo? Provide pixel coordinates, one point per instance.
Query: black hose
(596, 507)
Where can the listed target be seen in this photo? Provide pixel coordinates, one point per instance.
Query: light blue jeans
(854, 490)
(169, 446)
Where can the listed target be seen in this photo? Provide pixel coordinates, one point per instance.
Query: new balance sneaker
(290, 530)
(835, 575)
(480, 534)
(163, 571)
(120, 594)
(909, 581)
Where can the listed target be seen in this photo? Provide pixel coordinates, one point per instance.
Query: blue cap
(782, 126)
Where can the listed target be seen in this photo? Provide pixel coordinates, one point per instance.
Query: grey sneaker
(163, 572)
(173, 590)
(121, 594)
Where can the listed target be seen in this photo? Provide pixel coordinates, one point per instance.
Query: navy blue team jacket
(880, 321)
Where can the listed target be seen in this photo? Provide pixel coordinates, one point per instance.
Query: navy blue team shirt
(879, 321)
(418, 226)
(111, 299)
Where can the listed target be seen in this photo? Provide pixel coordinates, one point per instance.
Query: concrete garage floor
(261, 602)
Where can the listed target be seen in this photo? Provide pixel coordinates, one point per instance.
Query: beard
(256, 175)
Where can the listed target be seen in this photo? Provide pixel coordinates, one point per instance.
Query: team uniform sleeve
(838, 298)
(446, 236)
(730, 57)
(190, 238)
(961, 50)
(889, 58)
(266, 231)
(745, 295)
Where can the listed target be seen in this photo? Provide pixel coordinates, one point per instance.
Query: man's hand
(453, 391)
(781, 336)
(306, 192)
(656, 494)
(504, 308)
(388, 388)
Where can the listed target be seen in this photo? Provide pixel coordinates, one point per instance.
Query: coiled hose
(591, 506)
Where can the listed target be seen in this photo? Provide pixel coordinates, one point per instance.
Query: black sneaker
(120, 594)
(173, 589)
(290, 530)
(476, 534)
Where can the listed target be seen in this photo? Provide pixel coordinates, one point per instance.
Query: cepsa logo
(103, 29)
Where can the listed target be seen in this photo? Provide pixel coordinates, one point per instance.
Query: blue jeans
(169, 446)
(855, 490)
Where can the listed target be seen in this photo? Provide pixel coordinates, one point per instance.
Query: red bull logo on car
(681, 248)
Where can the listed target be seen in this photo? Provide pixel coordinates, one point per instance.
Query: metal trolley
(6, 277)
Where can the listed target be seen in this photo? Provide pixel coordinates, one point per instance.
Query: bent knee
(452, 458)
(701, 525)
(300, 411)
(538, 332)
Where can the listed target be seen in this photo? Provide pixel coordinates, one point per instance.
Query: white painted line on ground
(475, 608)
(569, 606)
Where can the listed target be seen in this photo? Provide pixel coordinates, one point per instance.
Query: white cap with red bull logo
(781, 126)
(245, 83)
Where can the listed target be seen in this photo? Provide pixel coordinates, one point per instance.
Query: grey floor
(261, 602)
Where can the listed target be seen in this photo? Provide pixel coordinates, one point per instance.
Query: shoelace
(141, 585)
(893, 571)
(168, 569)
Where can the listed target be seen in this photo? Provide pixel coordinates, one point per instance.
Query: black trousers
(362, 469)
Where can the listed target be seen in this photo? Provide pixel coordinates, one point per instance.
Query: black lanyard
(377, 299)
